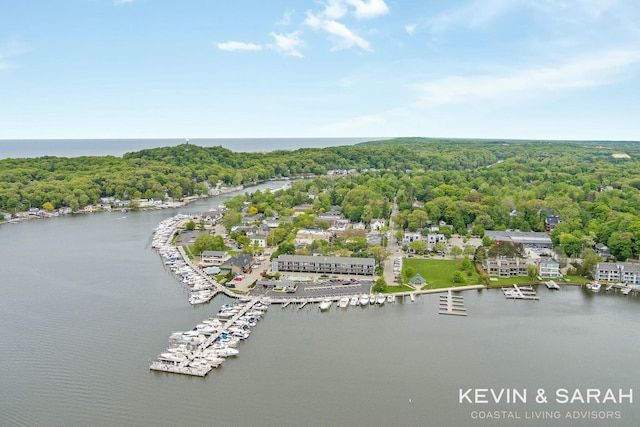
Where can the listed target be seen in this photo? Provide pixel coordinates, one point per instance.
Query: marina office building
(322, 264)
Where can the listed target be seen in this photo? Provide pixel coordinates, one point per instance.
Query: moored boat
(325, 304)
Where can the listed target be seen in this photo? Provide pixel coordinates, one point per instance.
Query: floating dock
(552, 285)
(197, 351)
(520, 292)
(452, 304)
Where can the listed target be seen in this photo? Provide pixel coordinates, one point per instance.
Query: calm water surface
(85, 303)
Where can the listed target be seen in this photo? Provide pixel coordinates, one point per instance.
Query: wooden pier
(520, 292)
(452, 304)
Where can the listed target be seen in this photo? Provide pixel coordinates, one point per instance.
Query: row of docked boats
(201, 288)
(211, 341)
(357, 300)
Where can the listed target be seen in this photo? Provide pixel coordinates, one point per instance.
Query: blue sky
(539, 69)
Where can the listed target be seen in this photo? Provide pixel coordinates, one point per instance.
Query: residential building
(213, 258)
(430, 239)
(239, 264)
(258, 240)
(603, 250)
(549, 268)
(377, 223)
(626, 272)
(328, 265)
(506, 267)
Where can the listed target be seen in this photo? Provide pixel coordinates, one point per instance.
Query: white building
(549, 268)
(626, 272)
(430, 239)
(258, 240)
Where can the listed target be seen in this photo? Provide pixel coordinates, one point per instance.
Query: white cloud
(334, 9)
(119, 2)
(588, 71)
(344, 38)
(286, 18)
(368, 9)
(233, 45)
(288, 44)
(8, 50)
(477, 13)
(410, 29)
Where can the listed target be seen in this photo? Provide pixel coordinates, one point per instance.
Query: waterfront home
(506, 267)
(549, 268)
(213, 258)
(626, 272)
(327, 265)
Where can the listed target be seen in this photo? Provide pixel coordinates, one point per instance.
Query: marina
(96, 372)
(207, 345)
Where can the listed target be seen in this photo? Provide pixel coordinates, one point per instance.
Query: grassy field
(401, 288)
(574, 279)
(439, 273)
(507, 281)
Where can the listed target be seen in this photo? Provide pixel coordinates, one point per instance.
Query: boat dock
(520, 292)
(197, 351)
(552, 285)
(452, 304)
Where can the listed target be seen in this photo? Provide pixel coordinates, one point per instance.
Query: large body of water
(85, 303)
(21, 148)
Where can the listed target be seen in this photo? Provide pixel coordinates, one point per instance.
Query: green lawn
(507, 281)
(439, 273)
(401, 288)
(574, 279)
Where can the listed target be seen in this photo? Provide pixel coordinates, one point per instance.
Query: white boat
(344, 302)
(391, 298)
(380, 299)
(225, 352)
(372, 299)
(364, 299)
(353, 300)
(595, 286)
(325, 304)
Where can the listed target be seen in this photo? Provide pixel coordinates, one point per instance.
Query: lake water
(17, 148)
(85, 303)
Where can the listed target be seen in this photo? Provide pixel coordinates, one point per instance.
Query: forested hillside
(486, 184)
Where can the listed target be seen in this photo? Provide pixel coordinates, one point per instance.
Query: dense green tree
(380, 286)
(207, 242)
(455, 251)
